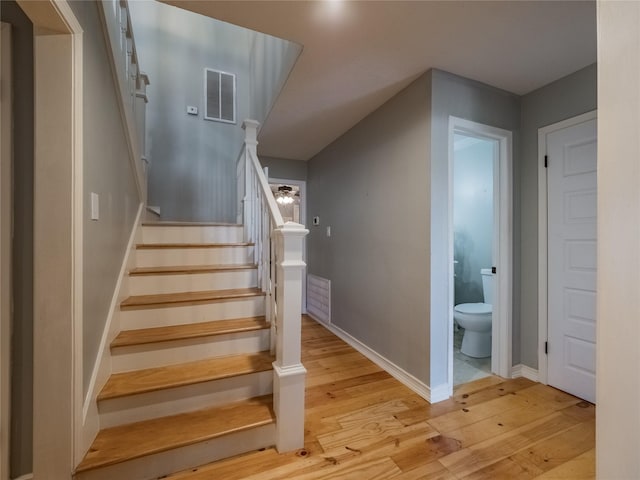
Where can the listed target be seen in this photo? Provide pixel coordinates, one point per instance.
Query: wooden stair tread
(151, 246)
(186, 298)
(159, 378)
(190, 269)
(192, 330)
(127, 442)
(169, 223)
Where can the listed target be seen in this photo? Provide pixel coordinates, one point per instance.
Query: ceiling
(358, 54)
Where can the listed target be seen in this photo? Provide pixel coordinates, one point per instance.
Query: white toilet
(475, 318)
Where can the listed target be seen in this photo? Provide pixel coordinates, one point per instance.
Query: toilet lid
(474, 308)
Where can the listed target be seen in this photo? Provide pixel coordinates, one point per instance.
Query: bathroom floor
(466, 369)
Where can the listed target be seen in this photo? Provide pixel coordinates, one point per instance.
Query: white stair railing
(130, 82)
(278, 254)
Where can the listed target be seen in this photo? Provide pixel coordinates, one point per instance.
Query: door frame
(543, 233)
(6, 221)
(302, 184)
(501, 350)
(58, 243)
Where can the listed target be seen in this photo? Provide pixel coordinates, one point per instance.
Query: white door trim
(543, 275)
(58, 245)
(501, 351)
(302, 184)
(6, 220)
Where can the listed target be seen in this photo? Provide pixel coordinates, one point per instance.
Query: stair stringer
(102, 368)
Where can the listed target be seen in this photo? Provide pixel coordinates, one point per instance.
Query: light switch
(191, 110)
(316, 220)
(95, 206)
(328, 231)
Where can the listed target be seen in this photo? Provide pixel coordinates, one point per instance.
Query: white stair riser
(219, 280)
(145, 406)
(192, 234)
(165, 257)
(160, 354)
(156, 466)
(219, 310)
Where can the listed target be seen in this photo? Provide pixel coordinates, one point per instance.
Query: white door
(571, 181)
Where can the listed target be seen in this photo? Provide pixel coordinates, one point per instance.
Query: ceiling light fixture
(284, 195)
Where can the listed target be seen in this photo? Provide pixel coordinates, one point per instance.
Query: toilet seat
(474, 308)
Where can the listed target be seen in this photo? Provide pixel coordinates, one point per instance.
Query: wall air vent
(319, 298)
(220, 96)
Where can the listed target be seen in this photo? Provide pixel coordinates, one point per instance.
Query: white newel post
(279, 246)
(289, 373)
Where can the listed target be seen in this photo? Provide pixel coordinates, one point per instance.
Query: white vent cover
(220, 96)
(319, 298)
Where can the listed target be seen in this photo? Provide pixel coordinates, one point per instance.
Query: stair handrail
(131, 84)
(278, 249)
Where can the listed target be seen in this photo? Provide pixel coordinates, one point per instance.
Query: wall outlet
(192, 110)
(316, 220)
(95, 206)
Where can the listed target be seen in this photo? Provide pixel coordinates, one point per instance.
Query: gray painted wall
(22, 335)
(285, 168)
(107, 172)
(192, 159)
(388, 264)
(565, 98)
(377, 257)
(472, 218)
(456, 96)
(271, 60)
(349, 182)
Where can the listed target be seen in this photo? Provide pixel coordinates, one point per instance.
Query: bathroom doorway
(480, 233)
(473, 254)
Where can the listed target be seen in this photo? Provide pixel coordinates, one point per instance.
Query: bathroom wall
(472, 215)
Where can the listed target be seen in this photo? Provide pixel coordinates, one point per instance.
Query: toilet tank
(487, 285)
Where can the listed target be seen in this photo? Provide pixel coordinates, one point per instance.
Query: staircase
(192, 375)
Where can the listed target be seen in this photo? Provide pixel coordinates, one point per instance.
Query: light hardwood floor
(362, 424)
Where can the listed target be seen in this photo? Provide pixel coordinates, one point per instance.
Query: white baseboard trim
(102, 368)
(431, 396)
(26, 476)
(440, 393)
(521, 370)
